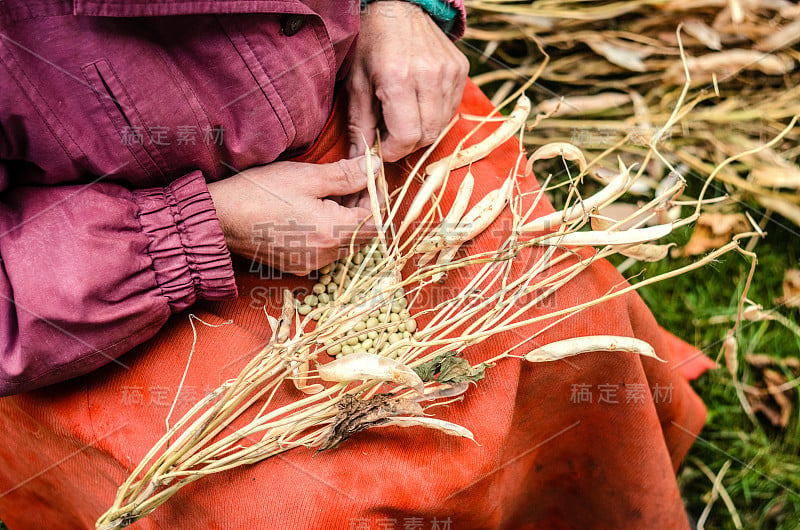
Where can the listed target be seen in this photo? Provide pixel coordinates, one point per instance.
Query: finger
(364, 200)
(362, 115)
(348, 201)
(402, 120)
(461, 65)
(348, 224)
(432, 112)
(338, 178)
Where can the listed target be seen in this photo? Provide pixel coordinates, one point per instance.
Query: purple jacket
(110, 127)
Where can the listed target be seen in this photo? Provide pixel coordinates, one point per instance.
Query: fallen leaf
(760, 360)
(774, 380)
(770, 394)
(791, 289)
(711, 231)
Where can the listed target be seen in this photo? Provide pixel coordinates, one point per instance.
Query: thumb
(342, 178)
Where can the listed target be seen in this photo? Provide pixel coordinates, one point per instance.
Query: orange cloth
(593, 443)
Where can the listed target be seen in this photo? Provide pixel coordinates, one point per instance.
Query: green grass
(763, 480)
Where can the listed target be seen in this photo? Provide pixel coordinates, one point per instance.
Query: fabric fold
(187, 246)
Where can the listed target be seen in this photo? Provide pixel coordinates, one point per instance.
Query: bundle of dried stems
(618, 66)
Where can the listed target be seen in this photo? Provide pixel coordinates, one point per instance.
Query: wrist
(445, 14)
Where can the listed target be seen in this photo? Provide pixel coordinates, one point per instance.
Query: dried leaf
(622, 57)
(617, 211)
(759, 404)
(791, 289)
(704, 33)
(358, 414)
(713, 230)
(773, 381)
(647, 252)
(449, 367)
(760, 360)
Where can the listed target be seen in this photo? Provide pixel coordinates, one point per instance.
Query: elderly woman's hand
(407, 77)
(289, 215)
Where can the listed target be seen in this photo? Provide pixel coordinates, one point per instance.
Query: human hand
(406, 75)
(289, 215)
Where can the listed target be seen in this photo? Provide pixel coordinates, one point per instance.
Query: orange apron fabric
(593, 443)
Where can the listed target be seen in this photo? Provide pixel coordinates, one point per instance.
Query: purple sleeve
(88, 272)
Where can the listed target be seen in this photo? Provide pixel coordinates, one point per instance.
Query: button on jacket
(113, 116)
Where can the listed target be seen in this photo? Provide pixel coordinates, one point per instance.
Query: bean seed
(325, 279)
(318, 288)
(347, 349)
(311, 300)
(304, 309)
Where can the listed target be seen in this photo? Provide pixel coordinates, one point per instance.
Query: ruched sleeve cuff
(187, 247)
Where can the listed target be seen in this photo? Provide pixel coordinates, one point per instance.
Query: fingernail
(362, 163)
